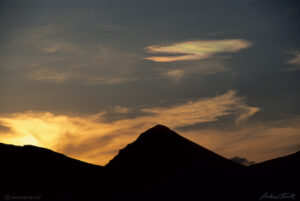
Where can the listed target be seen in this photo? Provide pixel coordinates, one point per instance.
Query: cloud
(243, 161)
(195, 50)
(4, 129)
(94, 139)
(295, 61)
(90, 80)
(204, 110)
(52, 48)
(62, 75)
(246, 112)
(42, 55)
(174, 74)
(52, 58)
(194, 69)
(121, 110)
(52, 75)
(256, 141)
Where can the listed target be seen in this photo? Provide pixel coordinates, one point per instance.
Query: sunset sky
(86, 77)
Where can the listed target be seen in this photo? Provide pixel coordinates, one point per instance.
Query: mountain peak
(158, 128)
(161, 147)
(158, 132)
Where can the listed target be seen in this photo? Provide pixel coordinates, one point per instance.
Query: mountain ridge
(159, 165)
(42, 149)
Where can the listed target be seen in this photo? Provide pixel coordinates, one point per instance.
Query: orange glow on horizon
(93, 139)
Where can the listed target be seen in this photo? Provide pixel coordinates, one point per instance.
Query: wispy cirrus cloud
(58, 76)
(41, 55)
(204, 110)
(94, 139)
(52, 75)
(295, 61)
(121, 110)
(174, 74)
(257, 141)
(195, 50)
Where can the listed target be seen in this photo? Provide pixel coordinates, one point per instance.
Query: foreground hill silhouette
(31, 170)
(159, 165)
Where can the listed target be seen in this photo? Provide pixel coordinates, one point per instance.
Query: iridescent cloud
(195, 50)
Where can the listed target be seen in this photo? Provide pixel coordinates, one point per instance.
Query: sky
(85, 78)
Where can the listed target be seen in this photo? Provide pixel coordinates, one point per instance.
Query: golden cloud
(92, 138)
(204, 110)
(195, 50)
(121, 110)
(256, 141)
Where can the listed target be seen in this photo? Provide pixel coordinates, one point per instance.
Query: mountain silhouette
(160, 158)
(277, 175)
(31, 170)
(159, 165)
(160, 147)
